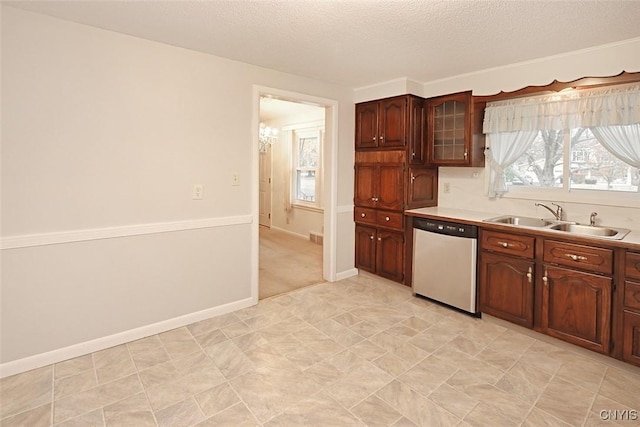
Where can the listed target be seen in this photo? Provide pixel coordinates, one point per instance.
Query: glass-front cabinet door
(449, 130)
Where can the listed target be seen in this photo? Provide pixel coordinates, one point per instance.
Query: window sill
(307, 207)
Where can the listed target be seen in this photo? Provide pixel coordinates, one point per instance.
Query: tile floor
(362, 351)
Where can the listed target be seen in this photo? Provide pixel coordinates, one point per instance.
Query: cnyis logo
(619, 415)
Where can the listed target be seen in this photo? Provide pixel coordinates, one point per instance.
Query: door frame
(268, 153)
(329, 185)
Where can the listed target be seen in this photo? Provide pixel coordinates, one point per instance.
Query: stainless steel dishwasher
(444, 262)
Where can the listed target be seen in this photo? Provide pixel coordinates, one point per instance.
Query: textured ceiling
(363, 42)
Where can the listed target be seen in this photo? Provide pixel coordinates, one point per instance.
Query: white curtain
(612, 114)
(621, 141)
(565, 110)
(505, 148)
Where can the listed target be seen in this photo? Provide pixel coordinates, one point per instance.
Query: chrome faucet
(592, 219)
(557, 213)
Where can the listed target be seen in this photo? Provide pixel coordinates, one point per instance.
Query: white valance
(565, 110)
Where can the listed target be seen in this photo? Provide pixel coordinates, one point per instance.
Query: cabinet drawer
(390, 219)
(364, 215)
(505, 243)
(632, 295)
(632, 266)
(579, 256)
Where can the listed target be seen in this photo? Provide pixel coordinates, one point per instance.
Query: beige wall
(103, 137)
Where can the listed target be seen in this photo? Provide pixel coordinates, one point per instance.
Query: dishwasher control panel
(444, 227)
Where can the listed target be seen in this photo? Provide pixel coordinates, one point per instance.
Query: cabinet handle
(413, 177)
(381, 137)
(413, 155)
(386, 218)
(371, 237)
(374, 139)
(363, 215)
(375, 199)
(465, 154)
(379, 239)
(576, 257)
(504, 244)
(545, 279)
(529, 274)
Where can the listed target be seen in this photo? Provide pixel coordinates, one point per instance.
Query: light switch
(198, 192)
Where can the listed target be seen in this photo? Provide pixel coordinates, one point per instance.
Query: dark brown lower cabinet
(506, 288)
(631, 337)
(576, 307)
(380, 251)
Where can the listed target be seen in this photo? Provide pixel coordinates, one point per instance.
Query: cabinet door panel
(366, 178)
(576, 307)
(390, 255)
(632, 265)
(631, 338)
(506, 288)
(391, 189)
(449, 130)
(366, 248)
(423, 187)
(393, 123)
(417, 127)
(367, 125)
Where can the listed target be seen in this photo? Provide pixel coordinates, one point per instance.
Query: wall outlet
(198, 192)
(446, 187)
(235, 179)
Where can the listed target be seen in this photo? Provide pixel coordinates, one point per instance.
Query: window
(306, 185)
(546, 164)
(581, 146)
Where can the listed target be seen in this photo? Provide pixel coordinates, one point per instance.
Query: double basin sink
(561, 226)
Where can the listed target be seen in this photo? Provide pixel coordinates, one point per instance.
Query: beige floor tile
(132, 411)
(539, 418)
(236, 329)
(24, 391)
(90, 419)
(525, 380)
(319, 410)
(182, 414)
(509, 405)
(484, 415)
(622, 386)
(607, 412)
(179, 342)
(73, 366)
(235, 416)
(217, 399)
(36, 417)
(415, 407)
(583, 372)
(502, 360)
(393, 365)
(427, 376)
(229, 359)
(95, 398)
(147, 352)
(374, 412)
(67, 386)
(113, 363)
(566, 401)
(459, 404)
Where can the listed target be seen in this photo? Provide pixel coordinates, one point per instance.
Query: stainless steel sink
(591, 230)
(523, 221)
(561, 226)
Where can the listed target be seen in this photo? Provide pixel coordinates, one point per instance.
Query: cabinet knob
(465, 154)
(545, 279)
(529, 274)
(379, 239)
(374, 138)
(363, 215)
(413, 177)
(386, 218)
(371, 237)
(504, 244)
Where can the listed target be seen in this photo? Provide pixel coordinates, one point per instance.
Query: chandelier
(267, 135)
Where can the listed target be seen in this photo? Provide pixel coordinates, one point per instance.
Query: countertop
(630, 241)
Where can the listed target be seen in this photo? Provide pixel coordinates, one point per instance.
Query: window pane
(308, 152)
(306, 185)
(542, 164)
(594, 168)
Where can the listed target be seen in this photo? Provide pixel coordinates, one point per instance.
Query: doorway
(290, 195)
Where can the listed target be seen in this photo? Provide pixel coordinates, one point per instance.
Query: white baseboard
(346, 274)
(80, 349)
(302, 236)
